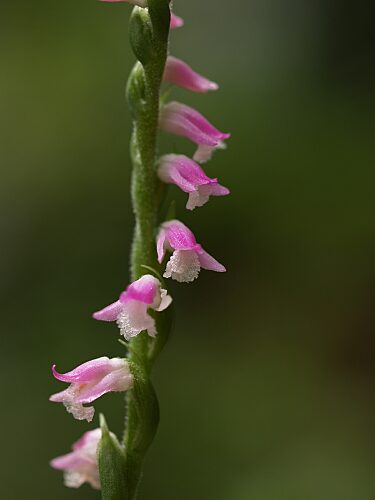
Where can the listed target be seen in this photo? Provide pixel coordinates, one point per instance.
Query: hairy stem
(149, 38)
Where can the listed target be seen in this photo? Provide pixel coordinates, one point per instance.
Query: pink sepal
(109, 313)
(85, 372)
(208, 262)
(176, 21)
(181, 74)
(143, 290)
(174, 235)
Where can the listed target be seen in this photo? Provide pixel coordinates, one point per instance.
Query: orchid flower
(188, 256)
(90, 381)
(190, 178)
(81, 466)
(130, 311)
(179, 119)
(179, 73)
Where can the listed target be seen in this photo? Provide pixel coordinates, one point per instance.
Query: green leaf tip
(112, 467)
(154, 271)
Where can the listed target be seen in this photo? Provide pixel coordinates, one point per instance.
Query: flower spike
(179, 119)
(90, 381)
(179, 73)
(189, 176)
(188, 256)
(130, 311)
(81, 466)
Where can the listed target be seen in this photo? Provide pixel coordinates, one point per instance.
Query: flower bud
(140, 33)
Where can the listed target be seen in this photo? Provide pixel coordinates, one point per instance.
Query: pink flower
(90, 381)
(81, 466)
(130, 311)
(189, 176)
(188, 256)
(176, 21)
(179, 73)
(180, 119)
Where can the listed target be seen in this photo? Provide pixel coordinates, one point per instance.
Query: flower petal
(70, 461)
(116, 381)
(176, 21)
(160, 244)
(219, 190)
(88, 440)
(109, 313)
(208, 262)
(62, 396)
(135, 319)
(182, 171)
(181, 74)
(86, 372)
(165, 301)
(142, 290)
(79, 411)
(179, 119)
(183, 266)
(179, 236)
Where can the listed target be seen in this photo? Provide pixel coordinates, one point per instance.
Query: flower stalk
(149, 31)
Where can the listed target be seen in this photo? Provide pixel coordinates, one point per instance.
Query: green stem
(149, 38)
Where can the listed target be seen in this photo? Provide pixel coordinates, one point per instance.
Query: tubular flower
(176, 21)
(188, 256)
(130, 311)
(90, 381)
(189, 176)
(179, 73)
(81, 466)
(179, 119)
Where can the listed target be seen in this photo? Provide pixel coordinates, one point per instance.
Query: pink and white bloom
(176, 21)
(131, 310)
(90, 381)
(81, 465)
(179, 119)
(189, 176)
(188, 256)
(181, 74)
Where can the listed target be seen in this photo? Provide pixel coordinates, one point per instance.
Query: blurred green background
(267, 385)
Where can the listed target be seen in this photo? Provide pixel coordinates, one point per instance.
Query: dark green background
(267, 385)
